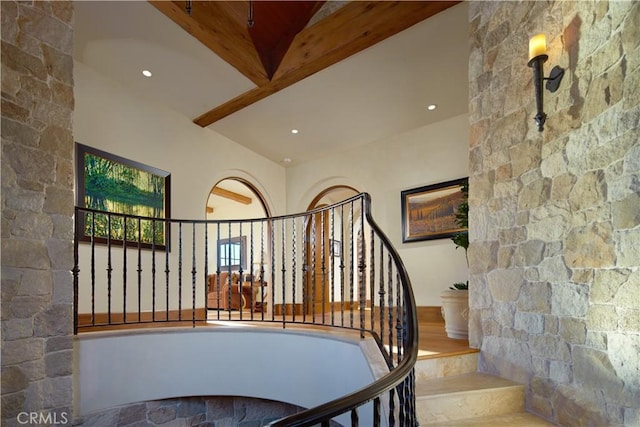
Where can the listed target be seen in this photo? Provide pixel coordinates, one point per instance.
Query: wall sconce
(537, 57)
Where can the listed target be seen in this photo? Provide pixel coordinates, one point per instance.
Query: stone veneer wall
(555, 215)
(37, 208)
(193, 411)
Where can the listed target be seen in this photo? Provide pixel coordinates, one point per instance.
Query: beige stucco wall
(423, 156)
(554, 215)
(110, 118)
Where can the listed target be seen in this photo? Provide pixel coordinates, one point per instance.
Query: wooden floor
(433, 342)
(432, 338)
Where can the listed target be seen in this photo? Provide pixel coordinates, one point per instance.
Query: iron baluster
(124, 270)
(194, 274)
(332, 265)
(262, 224)
(153, 270)
(372, 278)
(139, 271)
(399, 318)
(312, 296)
(351, 264)
(306, 282)
(392, 409)
(283, 255)
(240, 274)
(342, 265)
(109, 269)
(362, 270)
(391, 317)
(93, 269)
(206, 275)
(180, 270)
(229, 283)
(218, 271)
(167, 276)
(252, 303)
(293, 268)
(376, 412)
(272, 250)
(323, 265)
(381, 292)
(76, 269)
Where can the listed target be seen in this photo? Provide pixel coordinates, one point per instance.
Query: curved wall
(305, 369)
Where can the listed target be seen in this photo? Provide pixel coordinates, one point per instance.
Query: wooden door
(318, 259)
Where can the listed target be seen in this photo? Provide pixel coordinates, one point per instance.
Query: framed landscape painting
(429, 212)
(138, 195)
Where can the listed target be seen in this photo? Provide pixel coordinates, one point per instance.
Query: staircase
(449, 392)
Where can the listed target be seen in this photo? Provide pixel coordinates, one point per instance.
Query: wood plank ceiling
(280, 48)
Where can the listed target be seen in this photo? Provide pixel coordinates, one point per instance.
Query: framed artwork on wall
(429, 212)
(336, 248)
(137, 195)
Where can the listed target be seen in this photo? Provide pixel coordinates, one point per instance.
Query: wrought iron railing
(331, 266)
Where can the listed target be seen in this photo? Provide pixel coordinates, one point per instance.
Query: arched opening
(235, 198)
(334, 194)
(324, 257)
(232, 248)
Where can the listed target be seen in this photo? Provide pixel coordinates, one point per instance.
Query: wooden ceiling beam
(353, 28)
(232, 195)
(213, 24)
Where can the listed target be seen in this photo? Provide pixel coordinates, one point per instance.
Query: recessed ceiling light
(294, 131)
(432, 107)
(147, 73)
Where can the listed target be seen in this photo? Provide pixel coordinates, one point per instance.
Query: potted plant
(455, 300)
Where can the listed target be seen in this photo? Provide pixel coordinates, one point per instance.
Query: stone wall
(555, 215)
(193, 411)
(37, 209)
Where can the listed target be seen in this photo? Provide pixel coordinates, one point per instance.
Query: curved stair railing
(330, 266)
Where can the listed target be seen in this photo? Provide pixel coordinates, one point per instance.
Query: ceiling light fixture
(294, 131)
(147, 73)
(432, 107)
(250, 20)
(537, 57)
(286, 160)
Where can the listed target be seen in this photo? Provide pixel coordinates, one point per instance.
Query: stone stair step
(522, 419)
(466, 396)
(438, 367)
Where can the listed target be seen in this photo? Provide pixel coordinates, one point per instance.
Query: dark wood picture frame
(129, 189)
(429, 212)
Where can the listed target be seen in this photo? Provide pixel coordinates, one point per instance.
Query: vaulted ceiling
(287, 64)
(269, 41)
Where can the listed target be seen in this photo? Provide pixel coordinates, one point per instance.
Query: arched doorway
(321, 262)
(235, 198)
(233, 256)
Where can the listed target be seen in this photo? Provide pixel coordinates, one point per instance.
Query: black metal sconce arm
(553, 82)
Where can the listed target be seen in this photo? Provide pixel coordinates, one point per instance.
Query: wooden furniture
(241, 295)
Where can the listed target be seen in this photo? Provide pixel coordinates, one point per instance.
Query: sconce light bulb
(537, 46)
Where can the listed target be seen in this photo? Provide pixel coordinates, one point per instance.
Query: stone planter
(455, 310)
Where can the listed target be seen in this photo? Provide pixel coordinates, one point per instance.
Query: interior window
(232, 253)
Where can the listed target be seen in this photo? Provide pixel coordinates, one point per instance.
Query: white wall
(427, 155)
(110, 118)
(302, 368)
